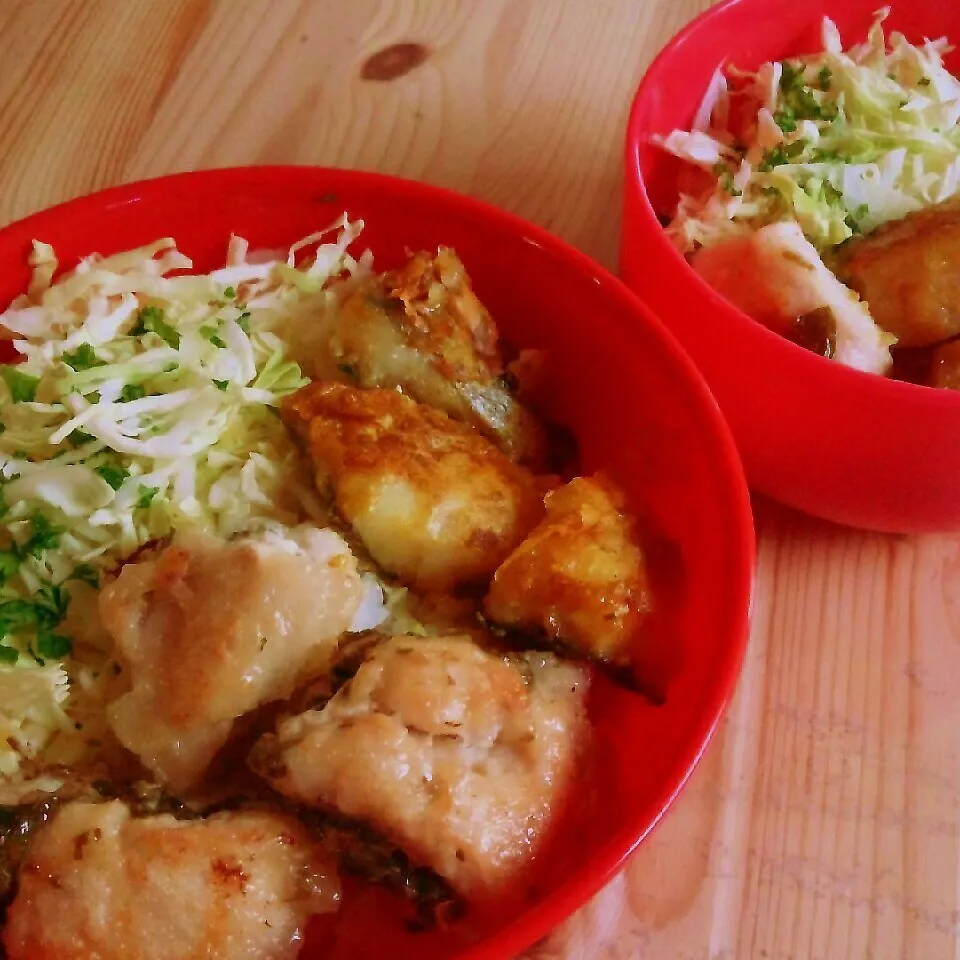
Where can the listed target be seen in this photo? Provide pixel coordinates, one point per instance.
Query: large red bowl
(638, 408)
(854, 448)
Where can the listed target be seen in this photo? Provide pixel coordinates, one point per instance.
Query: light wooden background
(823, 824)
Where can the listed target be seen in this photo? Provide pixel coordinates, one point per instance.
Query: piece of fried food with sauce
(459, 756)
(580, 578)
(208, 630)
(97, 883)
(422, 329)
(908, 271)
(435, 503)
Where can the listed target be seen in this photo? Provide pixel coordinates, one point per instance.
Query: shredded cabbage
(839, 142)
(145, 401)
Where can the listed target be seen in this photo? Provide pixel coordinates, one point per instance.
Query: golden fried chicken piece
(908, 271)
(422, 329)
(945, 366)
(579, 578)
(98, 884)
(210, 629)
(435, 503)
(458, 756)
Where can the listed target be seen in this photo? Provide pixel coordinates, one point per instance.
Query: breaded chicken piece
(99, 885)
(422, 329)
(579, 579)
(208, 630)
(777, 277)
(458, 756)
(435, 503)
(908, 271)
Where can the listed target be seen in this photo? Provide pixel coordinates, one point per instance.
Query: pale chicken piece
(458, 756)
(777, 277)
(580, 578)
(209, 630)
(422, 329)
(434, 502)
(97, 884)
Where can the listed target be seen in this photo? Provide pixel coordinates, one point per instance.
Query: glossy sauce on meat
(435, 503)
(908, 271)
(580, 578)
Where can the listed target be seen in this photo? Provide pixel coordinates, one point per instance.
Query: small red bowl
(616, 378)
(854, 448)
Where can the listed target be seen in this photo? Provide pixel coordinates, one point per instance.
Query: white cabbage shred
(144, 401)
(839, 142)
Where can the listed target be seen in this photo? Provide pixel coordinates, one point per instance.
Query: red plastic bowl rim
(607, 859)
(638, 135)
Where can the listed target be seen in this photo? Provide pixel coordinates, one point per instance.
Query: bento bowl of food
(374, 568)
(790, 212)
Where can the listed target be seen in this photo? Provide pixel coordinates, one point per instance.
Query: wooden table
(823, 823)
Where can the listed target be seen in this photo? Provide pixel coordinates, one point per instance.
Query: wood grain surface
(824, 822)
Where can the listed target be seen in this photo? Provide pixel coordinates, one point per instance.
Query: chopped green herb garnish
(785, 120)
(78, 438)
(85, 574)
(785, 153)
(51, 602)
(824, 156)
(211, 334)
(22, 386)
(229, 293)
(132, 391)
(791, 77)
(153, 320)
(51, 646)
(83, 358)
(17, 615)
(9, 564)
(221, 385)
(243, 322)
(146, 496)
(824, 78)
(923, 82)
(44, 536)
(113, 474)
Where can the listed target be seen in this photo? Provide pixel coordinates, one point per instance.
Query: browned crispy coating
(422, 329)
(908, 271)
(579, 578)
(434, 502)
